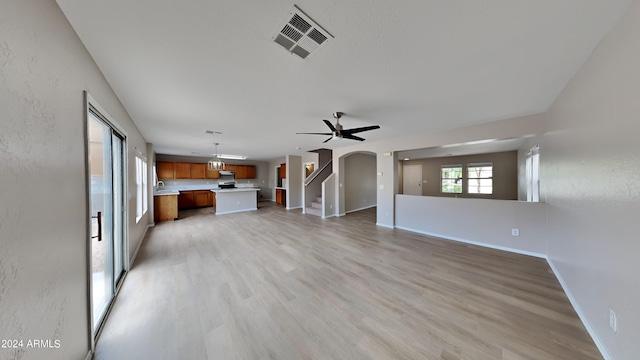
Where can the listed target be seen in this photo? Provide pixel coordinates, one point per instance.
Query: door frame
(90, 102)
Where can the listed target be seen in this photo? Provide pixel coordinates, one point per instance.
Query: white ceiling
(183, 67)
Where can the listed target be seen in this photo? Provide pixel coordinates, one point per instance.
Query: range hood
(226, 173)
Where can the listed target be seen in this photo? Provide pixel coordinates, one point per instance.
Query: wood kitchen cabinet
(211, 174)
(185, 170)
(197, 170)
(281, 197)
(241, 171)
(283, 171)
(165, 208)
(251, 171)
(202, 198)
(182, 170)
(186, 200)
(165, 170)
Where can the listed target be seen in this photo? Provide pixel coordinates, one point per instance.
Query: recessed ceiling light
(405, 159)
(298, 148)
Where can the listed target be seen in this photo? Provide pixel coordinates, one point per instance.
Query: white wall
(360, 181)
(44, 70)
(329, 196)
(295, 183)
(590, 177)
(486, 222)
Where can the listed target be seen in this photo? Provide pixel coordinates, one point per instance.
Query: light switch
(381, 186)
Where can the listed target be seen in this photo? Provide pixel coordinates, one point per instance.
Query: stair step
(316, 205)
(319, 199)
(314, 211)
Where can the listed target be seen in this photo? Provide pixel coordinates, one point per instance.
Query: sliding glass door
(106, 168)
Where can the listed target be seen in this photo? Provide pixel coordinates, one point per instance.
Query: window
(141, 188)
(533, 176)
(480, 178)
(451, 179)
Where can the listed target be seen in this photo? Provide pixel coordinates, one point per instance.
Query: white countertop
(166, 192)
(234, 190)
(175, 189)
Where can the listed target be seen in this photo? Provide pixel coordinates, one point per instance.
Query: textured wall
(44, 69)
(590, 177)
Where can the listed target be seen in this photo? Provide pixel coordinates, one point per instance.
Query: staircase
(316, 207)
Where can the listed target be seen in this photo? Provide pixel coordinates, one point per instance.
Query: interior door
(412, 179)
(106, 169)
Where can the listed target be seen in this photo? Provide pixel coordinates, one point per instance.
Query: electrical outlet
(613, 321)
(515, 232)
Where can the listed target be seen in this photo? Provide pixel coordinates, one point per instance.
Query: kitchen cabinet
(251, 171)
(165, 208)
(182, 170)
(213, 201)
(211, 174)
(281, 197)
(197, 170)
(185, 200)
(283, 171)
(164, 170)
(241, 171)
(202, 198)
(195, 199)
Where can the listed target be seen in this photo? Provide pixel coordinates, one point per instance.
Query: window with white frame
(480, 178)
(141, 187)
(451, 179)
(533, 174)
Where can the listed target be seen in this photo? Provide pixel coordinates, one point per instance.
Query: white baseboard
(135, 253)
(384, 225)
(497, 247)
(295, 207)
(576, 307)
(359, 209)
(328, 216)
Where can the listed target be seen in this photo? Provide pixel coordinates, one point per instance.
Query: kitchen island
(229, 201)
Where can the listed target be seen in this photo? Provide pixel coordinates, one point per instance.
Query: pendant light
(216, 163)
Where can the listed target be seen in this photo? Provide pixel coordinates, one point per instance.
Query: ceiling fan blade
(361, 129)
(327, 140)
(330, 125)
(352, 137)
(314, 133)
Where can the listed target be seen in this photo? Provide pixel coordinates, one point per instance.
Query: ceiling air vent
(300, 35)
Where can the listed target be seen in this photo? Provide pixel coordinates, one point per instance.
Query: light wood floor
(276, 284)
